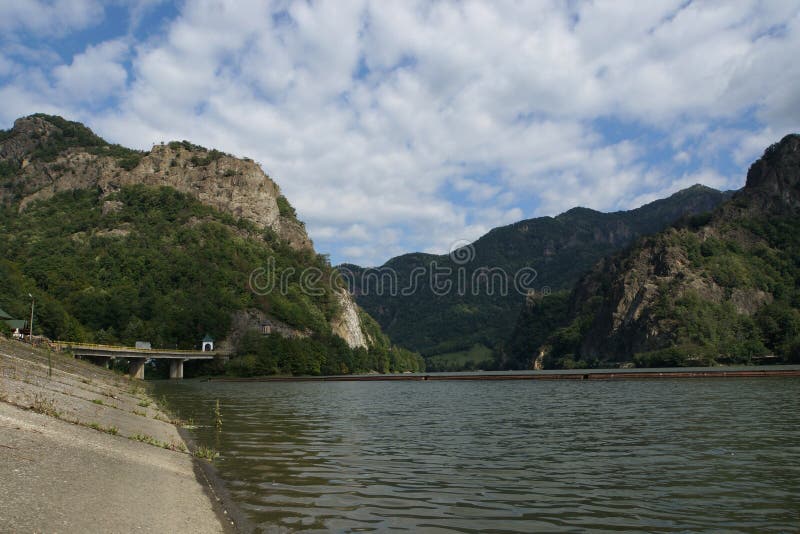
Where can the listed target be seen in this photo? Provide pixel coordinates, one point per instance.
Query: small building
(19, 327)
(208, 344)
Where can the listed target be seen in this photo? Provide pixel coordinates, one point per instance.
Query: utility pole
(33, 302)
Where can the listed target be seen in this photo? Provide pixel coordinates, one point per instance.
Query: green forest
(163, 267)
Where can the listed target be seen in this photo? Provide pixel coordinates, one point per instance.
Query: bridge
(137, 357)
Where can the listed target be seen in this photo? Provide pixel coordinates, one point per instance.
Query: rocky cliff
(710, 289)
(348, 324)
(42, 156)
(236, 186)
(773, 182)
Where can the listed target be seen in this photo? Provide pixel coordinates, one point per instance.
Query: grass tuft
(43, 405)
(205, 453)
(150, 440)
(107, 429)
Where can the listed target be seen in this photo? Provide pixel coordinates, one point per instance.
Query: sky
(400, 126)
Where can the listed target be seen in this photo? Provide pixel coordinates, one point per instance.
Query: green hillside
(153, 263)
(558, 249)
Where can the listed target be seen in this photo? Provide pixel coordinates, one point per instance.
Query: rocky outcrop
(255, 320)
(628, 320)
(232, 185)
(348, 325)
(776, 176)
(27, 134)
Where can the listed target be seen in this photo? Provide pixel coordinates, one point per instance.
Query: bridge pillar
(176, 369)
(136, 368)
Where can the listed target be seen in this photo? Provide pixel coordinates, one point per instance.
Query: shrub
(285, 208)
(211, 156)
(668, 357)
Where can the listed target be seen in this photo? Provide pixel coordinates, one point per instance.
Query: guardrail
(120, 348)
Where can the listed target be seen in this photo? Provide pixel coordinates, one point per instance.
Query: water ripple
(666, 456)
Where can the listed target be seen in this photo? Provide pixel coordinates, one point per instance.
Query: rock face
(27, 134)
(627, 294)
(348, 325)
(235, 186)
(775, 176)
(248, 320)
(628, 321)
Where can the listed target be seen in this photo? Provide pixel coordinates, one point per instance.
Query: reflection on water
(518, 456)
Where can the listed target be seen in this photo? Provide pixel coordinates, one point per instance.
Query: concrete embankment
(83, 449)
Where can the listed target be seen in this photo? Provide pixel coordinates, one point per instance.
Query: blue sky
(399, 126)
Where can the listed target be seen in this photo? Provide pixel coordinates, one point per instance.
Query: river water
(685, 455)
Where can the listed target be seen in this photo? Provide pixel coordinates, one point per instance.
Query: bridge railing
(120, 348)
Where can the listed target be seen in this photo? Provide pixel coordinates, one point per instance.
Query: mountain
(550, 252)
(118, 245)
(716, 289)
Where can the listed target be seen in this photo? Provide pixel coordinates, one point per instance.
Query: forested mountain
(559, 249)
(118, 245)
(716, 289)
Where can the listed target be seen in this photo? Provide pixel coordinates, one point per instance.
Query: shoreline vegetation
(87, 449)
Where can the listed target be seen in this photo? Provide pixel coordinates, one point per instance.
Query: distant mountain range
(449, 327)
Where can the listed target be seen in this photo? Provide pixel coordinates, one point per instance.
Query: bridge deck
(114, 351)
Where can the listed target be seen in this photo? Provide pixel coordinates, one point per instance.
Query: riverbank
(583, 374)
(83, 449)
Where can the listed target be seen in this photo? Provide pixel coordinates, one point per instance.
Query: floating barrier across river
(593, 374)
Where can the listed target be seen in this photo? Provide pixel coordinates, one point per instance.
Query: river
(507, 456)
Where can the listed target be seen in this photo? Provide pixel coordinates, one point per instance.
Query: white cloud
(49, 17)
(682, 157)
(94, 74)
(370, 113)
